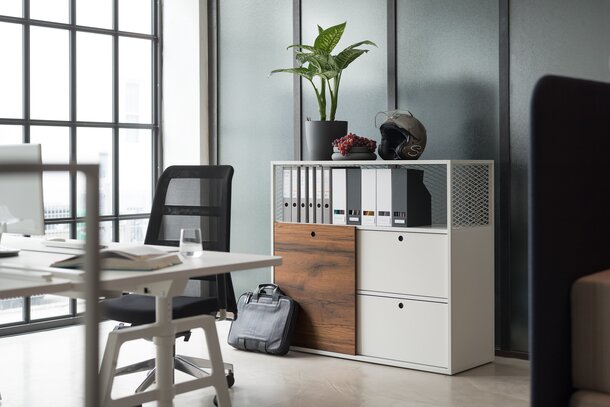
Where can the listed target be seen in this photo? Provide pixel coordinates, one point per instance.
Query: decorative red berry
(345, 143)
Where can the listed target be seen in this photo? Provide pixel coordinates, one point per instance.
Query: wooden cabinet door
(319, 271)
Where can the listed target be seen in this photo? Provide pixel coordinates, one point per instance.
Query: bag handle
(275, 293)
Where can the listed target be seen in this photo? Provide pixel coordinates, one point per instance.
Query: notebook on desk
(140, 258)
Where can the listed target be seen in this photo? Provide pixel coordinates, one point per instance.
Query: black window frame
(27, 324)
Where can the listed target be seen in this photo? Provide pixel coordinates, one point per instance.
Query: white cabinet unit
(423, 295)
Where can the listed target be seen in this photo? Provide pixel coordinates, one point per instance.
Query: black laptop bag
(265, 321)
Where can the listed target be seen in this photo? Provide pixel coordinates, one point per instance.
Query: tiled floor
(45, 369)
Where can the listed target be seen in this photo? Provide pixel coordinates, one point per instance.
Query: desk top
(36, 256)
(17, 287)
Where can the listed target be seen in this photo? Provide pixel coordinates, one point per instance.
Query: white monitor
(21, 204)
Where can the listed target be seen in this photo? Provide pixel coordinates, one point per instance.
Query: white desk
(163, 284)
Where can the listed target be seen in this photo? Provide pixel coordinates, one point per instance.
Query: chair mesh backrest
(194, 197)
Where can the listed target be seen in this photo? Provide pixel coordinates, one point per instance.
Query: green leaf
(301, 46)
(365, 42)
(320, 29)
(304, 72)
(320, 62)
(347, 56)
(328, 39)
(328, 75)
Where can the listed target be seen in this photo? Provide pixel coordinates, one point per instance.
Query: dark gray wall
(570, 38)
(254, 116)
(448, 75)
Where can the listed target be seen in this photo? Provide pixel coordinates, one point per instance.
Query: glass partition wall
(79, 77)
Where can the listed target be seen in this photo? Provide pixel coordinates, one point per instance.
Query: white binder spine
(303, 201)
(327, 196)
(311, 194)
(319, 195)
(294, 185)
(369, 196)
(339, 196)
(286, 194)
(384, 197)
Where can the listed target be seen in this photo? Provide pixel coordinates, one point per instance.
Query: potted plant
(318, 64)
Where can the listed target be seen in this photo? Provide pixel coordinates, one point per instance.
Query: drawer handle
(313, 234)
(401, 305)
(400, 238)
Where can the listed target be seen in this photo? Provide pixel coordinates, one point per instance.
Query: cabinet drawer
(404, 330)
(403, 263)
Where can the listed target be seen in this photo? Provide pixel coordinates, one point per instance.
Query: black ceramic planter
(319, 136)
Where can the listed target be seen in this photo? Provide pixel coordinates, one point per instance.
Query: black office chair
(186, 197)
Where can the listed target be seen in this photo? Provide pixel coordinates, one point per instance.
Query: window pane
(94, 77)
(94, 13)
(55, 143)
(11, 70)
(105, 231)
(94, 146)
(50, 10)
(135, 84)
(135, 16)
(50, 70)
(46, 306)
(135, 164)
(132, 230)
(11, 310)
(12, 8)
(11, 134)
(60, 230)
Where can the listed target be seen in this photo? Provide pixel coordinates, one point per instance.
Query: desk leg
(164, 342)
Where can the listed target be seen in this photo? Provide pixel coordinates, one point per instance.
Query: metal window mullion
(27, 302)
(115, 119)
(26, 71)
(68, 123)
(27, 310)
(73, 113)
(213, 81)
(157, 45)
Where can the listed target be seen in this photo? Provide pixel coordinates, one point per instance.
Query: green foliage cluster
(317, 61)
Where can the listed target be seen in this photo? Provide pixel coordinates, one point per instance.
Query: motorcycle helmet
(403, 137)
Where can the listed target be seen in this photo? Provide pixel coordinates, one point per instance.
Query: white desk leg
(218, 371)
(164, 342)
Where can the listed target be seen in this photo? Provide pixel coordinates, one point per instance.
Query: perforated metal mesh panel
(278, 199)
(470, 195)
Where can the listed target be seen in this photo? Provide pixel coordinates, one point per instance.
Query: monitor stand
(6, 251)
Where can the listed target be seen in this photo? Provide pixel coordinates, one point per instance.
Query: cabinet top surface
(349, 163)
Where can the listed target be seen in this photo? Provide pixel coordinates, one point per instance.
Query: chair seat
(140, 309)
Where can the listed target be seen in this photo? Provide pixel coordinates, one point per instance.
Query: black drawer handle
(401, 305)
(400, 238)
(313, 234)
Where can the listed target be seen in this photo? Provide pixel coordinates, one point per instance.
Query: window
(80, 77)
